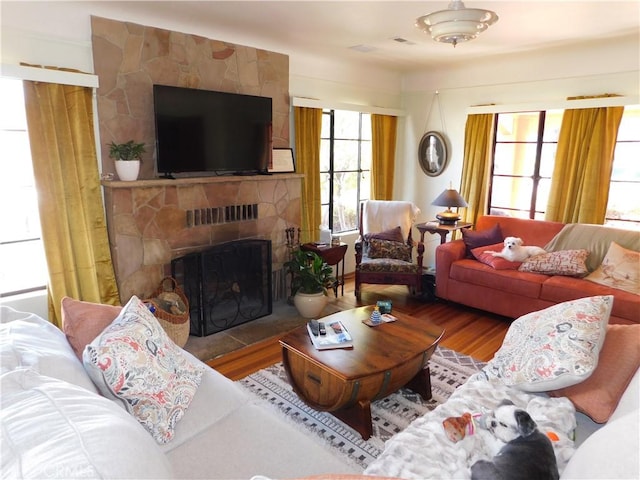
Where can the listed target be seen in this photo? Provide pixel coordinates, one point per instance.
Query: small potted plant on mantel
(127, 158)
(311, 276)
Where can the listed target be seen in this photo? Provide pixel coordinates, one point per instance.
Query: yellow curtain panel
(383, 139)
(74, 233)
(308, 127)
(476, 165)
(583, 164)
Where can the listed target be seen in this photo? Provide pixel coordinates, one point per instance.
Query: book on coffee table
(336, 336)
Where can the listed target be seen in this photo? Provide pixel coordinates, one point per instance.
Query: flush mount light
(457, 23)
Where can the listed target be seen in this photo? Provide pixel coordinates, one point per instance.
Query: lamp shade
(450, 198)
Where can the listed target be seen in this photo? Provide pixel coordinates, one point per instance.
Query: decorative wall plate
(433, 154)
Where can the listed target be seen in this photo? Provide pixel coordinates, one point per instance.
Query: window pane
(324, 188)
(345, 156)
(630, 124)
(511, 192)
(325, 151)
(347, 124)
(626, 163)
(366, 126)
(325, 131)
(548, 159)
(514, 159)
(365, 185)
(12, 113)
(518, 127)
(619, 205)
(552, 123)
(365, 155)
(542, 199)
(14, 277)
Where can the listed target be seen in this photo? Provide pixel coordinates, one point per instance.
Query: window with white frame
(524, 151)
(22, 262)
(345, 167)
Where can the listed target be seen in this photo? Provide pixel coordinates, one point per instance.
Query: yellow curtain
(584, 159)
(61, 135)
(476, 165)
(383, 145)
(308, 127)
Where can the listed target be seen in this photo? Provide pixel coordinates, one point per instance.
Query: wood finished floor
(469, 331)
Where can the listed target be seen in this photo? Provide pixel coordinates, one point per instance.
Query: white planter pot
(127, 170)
(310, 305)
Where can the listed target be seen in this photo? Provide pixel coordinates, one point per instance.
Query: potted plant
(127, 158)
(310, 278)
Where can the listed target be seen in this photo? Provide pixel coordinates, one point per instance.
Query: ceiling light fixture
(457, 23)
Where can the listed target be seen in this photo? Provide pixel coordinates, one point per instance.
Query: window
(524, 150)
(345, 167)
(21, 252)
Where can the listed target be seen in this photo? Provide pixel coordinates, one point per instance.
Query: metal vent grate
(218, 215)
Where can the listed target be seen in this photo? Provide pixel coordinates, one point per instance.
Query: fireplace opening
(227, 285)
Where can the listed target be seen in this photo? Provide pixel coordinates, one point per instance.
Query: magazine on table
(335, 336)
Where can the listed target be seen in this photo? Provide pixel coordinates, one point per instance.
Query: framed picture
(432, 154)
(282, 161)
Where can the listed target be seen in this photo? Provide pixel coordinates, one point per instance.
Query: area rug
(389, 415)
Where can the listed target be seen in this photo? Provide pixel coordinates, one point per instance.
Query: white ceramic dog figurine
(515, 251)
(527, 454)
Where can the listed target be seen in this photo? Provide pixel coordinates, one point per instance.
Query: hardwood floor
(469, 331)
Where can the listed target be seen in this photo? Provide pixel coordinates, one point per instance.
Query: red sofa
(513, 293)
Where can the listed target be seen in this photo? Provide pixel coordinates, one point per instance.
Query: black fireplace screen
(227, 285)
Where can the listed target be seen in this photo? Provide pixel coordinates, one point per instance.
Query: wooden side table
(334, 256)
(442, 230)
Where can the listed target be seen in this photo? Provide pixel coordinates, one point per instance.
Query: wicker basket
(176, 325)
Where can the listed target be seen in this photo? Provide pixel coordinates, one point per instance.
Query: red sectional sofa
(513, 293)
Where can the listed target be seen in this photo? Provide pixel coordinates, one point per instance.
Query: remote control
(323, 331)
(315, 327)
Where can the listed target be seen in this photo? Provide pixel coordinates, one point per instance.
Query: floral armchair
(384, 249)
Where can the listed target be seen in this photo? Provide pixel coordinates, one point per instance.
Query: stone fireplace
(152, 222)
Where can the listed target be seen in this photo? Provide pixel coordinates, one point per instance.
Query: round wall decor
(432, 153)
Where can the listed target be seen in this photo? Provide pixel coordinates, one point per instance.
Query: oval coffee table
(345, 381)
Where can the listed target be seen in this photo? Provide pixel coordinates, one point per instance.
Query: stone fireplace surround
(152, 221)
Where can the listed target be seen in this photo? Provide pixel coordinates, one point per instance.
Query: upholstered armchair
(385, 247)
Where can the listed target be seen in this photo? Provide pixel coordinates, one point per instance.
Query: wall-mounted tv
(211, 132)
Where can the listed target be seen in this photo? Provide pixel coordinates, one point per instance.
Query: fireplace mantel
(151, 222)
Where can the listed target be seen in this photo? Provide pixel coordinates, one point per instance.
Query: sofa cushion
(532, 232)
(561, 289)
(620, 268)
(552, 348)
(564, 262)
(510, 281)
(481, 238)
(497, 263)
(594, 238)
(29, 341)
(134, 362)
(83, 321)
(598, 395)
(53, 429)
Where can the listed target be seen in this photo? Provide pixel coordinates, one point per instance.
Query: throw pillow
(134, 361)
(474, 239)
(553, 348)
(570, 263)
(83, 321)
(620, 269)
(498, 263)
(389, 249)
(394, 235)
(598, 395)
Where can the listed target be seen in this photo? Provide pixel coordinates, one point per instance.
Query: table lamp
(449, 198)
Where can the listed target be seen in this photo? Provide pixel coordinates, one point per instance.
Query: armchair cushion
(394, 235)
(387, 265)
(389, 249)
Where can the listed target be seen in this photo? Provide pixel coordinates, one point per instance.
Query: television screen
(208, 131)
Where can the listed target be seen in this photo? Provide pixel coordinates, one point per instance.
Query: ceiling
(368, 31)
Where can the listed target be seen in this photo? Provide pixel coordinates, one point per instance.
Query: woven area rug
(389, 415)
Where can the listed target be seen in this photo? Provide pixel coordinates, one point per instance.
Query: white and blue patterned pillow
(553, 348)
(134, 362)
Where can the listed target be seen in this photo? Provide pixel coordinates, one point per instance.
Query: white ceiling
(330, 28)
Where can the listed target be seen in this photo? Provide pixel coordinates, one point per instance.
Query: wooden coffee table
(383, 359)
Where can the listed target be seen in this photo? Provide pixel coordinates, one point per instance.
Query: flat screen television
(211, 132)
